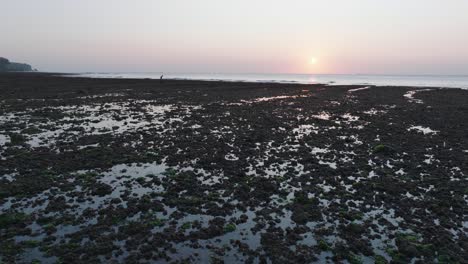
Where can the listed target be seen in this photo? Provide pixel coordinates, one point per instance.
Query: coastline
(445, 81)
(135, 169)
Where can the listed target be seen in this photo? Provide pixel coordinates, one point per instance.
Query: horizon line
(254, 73)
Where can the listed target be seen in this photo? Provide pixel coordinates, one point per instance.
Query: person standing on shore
(161, 78)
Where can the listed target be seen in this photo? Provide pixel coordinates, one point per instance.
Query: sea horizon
(413, 80)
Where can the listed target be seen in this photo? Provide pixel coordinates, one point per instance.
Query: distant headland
(7, 66)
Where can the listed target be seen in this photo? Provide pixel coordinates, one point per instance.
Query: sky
(242, 36)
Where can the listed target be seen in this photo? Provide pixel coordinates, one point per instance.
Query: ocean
(446, 81)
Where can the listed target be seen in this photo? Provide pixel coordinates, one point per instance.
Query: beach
(142, 170)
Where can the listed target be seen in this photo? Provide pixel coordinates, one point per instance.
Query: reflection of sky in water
(335, 79)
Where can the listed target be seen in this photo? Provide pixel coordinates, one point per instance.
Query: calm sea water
(449, 81)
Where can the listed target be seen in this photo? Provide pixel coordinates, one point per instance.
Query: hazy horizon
(298, 37)
(258, 73)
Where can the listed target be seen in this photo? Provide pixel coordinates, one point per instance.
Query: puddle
(359, 89)
(322, 116)
(273, 98)
(4, 139)
(410, 95)
(350, 118)
(424, 130)
(305, 130)
(374, 111)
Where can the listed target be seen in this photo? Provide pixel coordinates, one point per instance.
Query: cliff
(6, 66)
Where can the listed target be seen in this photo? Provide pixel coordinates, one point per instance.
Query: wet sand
(138, 171)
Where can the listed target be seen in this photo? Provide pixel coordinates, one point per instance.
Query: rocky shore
(138, 171)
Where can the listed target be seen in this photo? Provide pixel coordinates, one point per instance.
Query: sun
(313, 61)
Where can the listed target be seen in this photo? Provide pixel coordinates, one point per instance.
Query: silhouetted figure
(161, 79)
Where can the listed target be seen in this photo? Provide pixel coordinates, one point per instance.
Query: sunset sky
(242, 36)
